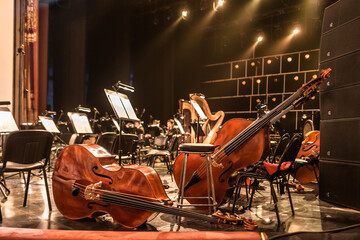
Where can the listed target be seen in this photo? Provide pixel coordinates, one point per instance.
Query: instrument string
(243, 136)
(138, 202)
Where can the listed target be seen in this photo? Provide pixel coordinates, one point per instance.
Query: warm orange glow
(307, 56)
(243, 82)
(273, 99)
(296, 78)
(252, 64)
(236, 66)
(258, 81)
(289, 59)
(260, 38)
(269, 61)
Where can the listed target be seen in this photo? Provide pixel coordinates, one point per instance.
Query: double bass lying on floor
(87, 182)
(240, 143)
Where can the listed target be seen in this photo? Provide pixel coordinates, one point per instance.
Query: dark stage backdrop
(95, 43)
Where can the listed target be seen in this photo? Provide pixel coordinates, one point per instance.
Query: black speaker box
(339, 183)
(346, 71)
(340, 41)
(340, 140)
(340, 103)
(340, 13)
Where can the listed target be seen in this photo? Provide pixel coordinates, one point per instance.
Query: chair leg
(253, 192)
(273, 194)
(237, 192)
(2, 190)
(47, 190)
(291, 204)
(27, 187)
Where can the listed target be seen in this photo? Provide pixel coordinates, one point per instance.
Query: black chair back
(27, 147)
(291, 151)
(107, 141)
(280, 148)
(160, 142)
(128, 144)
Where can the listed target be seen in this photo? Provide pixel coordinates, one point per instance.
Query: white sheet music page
(7, 122)
(179, 125)
(117, 105)
(81, 123)
(129, 109)
(49, 124)
(198, 110)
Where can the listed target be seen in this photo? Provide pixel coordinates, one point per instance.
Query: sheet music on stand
(80, 122)
(7, 121)
(179, 126)
(49, 124)
(121, 105)
(198, 110)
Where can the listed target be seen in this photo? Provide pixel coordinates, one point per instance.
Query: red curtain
(35, 46)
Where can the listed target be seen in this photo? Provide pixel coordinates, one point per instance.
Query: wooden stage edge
(28, 233)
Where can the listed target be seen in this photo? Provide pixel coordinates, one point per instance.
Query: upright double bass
(239, 143)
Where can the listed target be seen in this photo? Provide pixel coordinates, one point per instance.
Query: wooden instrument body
(249, 153)
(310, 146)
(210, 130)
(91, 163)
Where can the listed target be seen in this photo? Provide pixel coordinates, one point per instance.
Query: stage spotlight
(296, 78)
(236, 66)
(260, 38)
(296, 31)
(184, 14)
(307, 56)
(258, 81)
(252, 64)
(217, 4)
(269, 61)
(289, 59)
(284, 116)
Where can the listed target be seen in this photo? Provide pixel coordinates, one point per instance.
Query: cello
(87, 182)
(309, 149)
(239, 143)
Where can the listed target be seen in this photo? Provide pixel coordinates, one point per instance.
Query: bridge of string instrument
(90, 191)
(217, 165)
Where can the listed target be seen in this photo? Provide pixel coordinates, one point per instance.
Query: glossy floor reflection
(311, 214)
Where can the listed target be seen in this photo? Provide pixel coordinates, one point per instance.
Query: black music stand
(200, 115)
(123, 109)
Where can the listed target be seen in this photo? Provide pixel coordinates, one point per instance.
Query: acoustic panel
(216, 72)
(238, 69)
(217, 89)
(276, 84)
(254, 67)
(229, 104)
(245, 86)
(339, 183)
